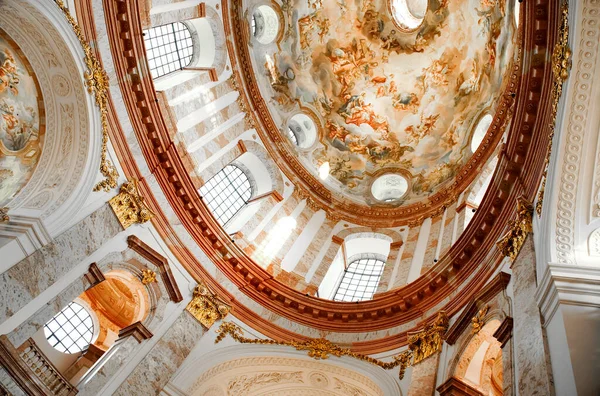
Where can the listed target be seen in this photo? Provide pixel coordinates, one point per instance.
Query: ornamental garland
(96, 81)
(421, 345)
(561, 64)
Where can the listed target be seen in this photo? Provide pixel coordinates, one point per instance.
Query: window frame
(356, 277)
(213, 204)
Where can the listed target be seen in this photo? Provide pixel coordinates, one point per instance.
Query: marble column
(325, 263)
(31, 276)
(423, 377)
(163, 360)
(311, 252)
(407, 256)
(386, 280)
(432, 243)
(446, 238)
(531, 358)
(289, 249)
(460, 221)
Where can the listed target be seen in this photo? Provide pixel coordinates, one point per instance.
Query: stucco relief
(22, 125)
(383, 99)
(575, 128)
(281, 375)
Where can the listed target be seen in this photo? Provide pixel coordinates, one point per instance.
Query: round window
(302, 130)
(390, 187)
(265, 24)
(409, 14)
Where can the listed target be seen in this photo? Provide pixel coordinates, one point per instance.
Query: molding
(487, 293)
(140, 247)
(569, 285)
(336, 239)
(504, 332)
(456, 387)
(137, 330)
(94, 275)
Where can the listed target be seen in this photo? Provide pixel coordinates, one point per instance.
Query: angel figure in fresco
(436, 75)
(340, 169)
(470, 84)
(357, 112)
(17, 129)
(9, 75)
(336, 132)
(406, 101)
(427, 125)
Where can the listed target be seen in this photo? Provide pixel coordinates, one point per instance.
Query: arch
(54, 198)
(476, 360)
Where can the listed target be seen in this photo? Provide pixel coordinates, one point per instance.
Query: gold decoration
(422, 344)
(561, 64)
(148, 276)
(477, 321)
(206, 306)
(97, 84)
(4, 215)
(510, 244)
(129, 205)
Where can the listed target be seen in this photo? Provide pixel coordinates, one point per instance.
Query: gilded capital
(510, 244)
(206, 306)
(129, 205)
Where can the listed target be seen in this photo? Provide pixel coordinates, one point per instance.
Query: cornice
(567, 284)
(287, 161)
(392, 308)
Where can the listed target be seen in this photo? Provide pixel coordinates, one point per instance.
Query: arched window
(360, 280)
(168, 48)
(71, 330)
(226, 193)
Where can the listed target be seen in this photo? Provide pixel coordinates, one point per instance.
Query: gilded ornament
(206, 306)
(478, 321)
(129, 205)
(510, 244)
(561, 65)
(148, 276)
(97, 83)
(422, 344)
(4, 218)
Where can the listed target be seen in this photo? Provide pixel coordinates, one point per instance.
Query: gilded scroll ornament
(129, 205)
(561, 65)
(4, 215)
(206, 306)
(478, 321)
(510, 244)
(96, 81)
(148, 276)
(421, 345)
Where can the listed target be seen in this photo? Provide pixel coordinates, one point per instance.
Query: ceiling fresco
(386, 98)
(21, 132)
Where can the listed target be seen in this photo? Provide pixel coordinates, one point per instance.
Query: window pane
(168, 48)
(360, 280)
(226, 193)
(71, 330)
